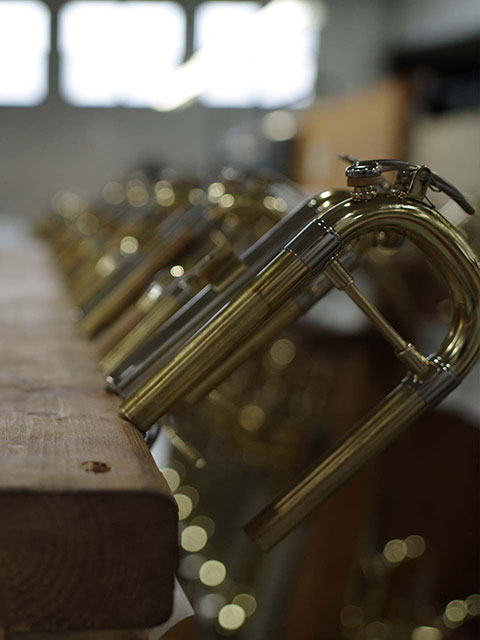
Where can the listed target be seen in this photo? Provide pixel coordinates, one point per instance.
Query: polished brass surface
(148, 358)
(405, 351)
(117, 331)
(91, 241)
(282, 318)
(295, 267)
(147, 405)
(460, 269)
(219, 268)
(284, 276)
(143, 327)
(129, 233)
(239, 434)
(129, 288)
(375, 433)
(92, 275)
(238, 209)
(243, 315)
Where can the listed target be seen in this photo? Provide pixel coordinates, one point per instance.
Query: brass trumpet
(183, 324)
(81, 233)
(234, 217)
(129, 235)
(187, 239)
(317, 251)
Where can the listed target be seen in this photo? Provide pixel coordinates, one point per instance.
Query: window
(119, 53)
(24, 49)
(269, 54)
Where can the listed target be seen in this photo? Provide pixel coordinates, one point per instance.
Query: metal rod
(405, 351)
(193, 456)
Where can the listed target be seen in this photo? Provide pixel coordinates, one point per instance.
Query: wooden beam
(88, 527)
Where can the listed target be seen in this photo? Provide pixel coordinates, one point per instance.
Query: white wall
(421, 23)
(55, 146)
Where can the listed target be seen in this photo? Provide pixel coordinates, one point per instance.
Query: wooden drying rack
(88, 527)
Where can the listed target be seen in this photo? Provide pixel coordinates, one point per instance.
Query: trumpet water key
(404, 210)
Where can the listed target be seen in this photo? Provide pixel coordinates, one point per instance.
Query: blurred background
(90, 90)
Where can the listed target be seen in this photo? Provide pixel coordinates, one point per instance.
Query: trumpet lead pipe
(145, 362)
(117, 331)
(215, 341)
(130, 288)
(284, 317)
(365, 441)
(412, 397)
(139, 332)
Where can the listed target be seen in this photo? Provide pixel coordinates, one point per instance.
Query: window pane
(270, 54)
(118, 53)
(217, 22)
(24, 48)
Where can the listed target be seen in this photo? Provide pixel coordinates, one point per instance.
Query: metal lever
(372, 169)
(346, 157)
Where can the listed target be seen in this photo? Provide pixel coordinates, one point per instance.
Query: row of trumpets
(179, 282)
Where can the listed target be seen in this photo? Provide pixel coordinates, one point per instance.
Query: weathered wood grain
(88, 528)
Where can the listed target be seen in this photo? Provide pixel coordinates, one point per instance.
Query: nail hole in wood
(95, 467)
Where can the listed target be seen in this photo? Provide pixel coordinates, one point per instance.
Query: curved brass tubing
(227, 330)
(150, 357)
(317, 246)
(218, 267)
(459, 266)
(190, 239)
(268, 302)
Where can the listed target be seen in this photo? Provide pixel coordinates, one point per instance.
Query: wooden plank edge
(86, 560)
